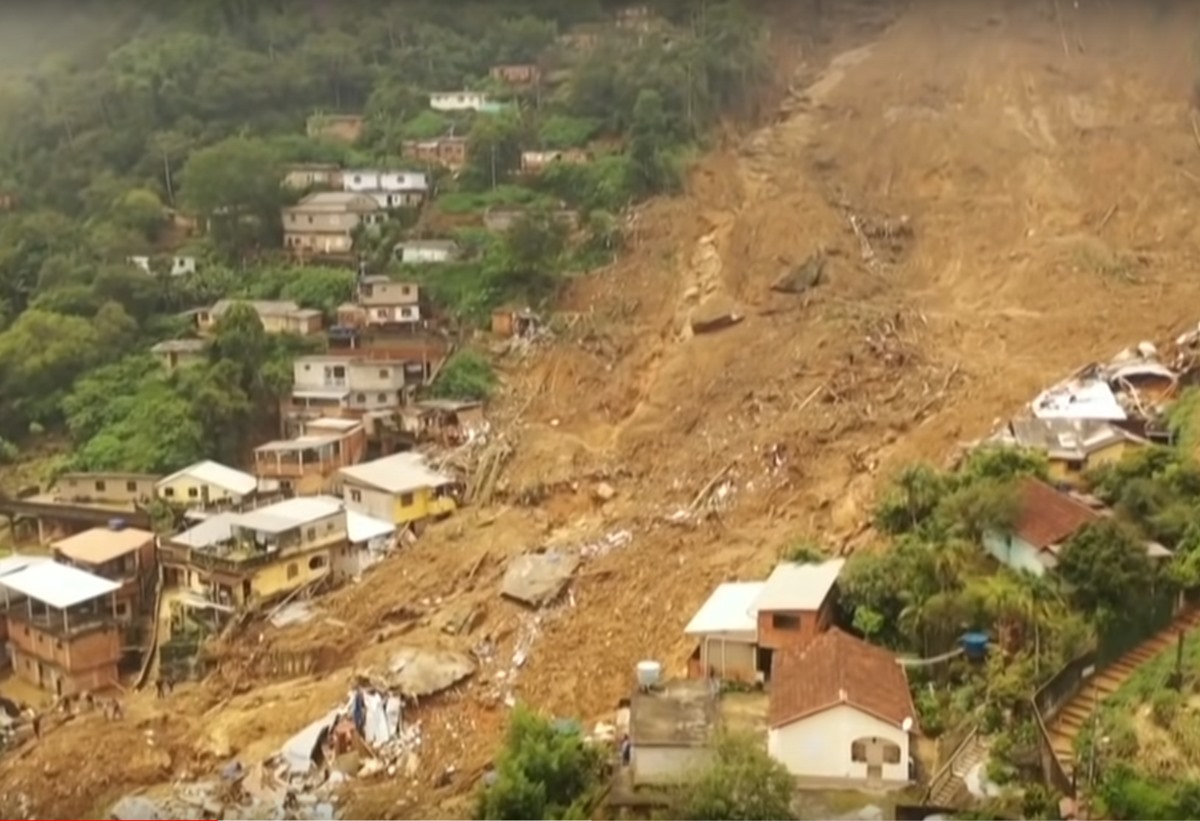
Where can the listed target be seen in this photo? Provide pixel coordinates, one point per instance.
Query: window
(358, 178)
(384, 373)
(310, 534)
(362, 397)
(100, 486)
(383, 397)
(891, 753)
(406, 312)
(858, 751)
(131, 487)
(381, 313)
(356, 495)
(785, 621)
(308, 367)
(122, 610)
(193, 493)
(310, 220)
(293, 571)
(169, 492)
(317, 562)
(405, 290)
(406, 500)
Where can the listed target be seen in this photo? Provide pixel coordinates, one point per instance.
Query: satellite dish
(907, 725)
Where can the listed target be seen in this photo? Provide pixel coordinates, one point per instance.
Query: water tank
(116, 524)
(974, 645)
(649, 673)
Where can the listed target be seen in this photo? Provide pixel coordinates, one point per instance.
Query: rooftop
(11, 564)
(730, 609)
(102, 544)
(1079, 399)
(336, 201)
(680, 714)
(1071, 439)
(837, 669)
(58, 585)
(289, 514)
(794, 586)
(327, 423)
(219, 528)
(263, 307)
(430, 244)
(1048, 517)
(218, 475)
(398, 473)
(299, 443)
(211, 531)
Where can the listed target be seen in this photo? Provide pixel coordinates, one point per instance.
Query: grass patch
(1184, 420)
(471, 202)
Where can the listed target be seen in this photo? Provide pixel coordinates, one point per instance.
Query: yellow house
(206, 485)
(400, 488)
(1072, 446)
(236, 558)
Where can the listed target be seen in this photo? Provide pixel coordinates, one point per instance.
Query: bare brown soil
(1004, 134)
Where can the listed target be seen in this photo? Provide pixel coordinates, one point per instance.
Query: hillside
(1044, 169)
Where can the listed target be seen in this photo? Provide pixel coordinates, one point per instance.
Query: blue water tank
(974, 645)
(116, 524)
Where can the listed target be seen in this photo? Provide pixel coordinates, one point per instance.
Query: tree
(234, 182)
(543, 771)
(466, 376)
(493, 151)
(647, 138)
(1106, 567)
(742, 782)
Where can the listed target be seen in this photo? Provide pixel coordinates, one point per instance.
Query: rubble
(415, 672)
(801, 278)
(537, 579)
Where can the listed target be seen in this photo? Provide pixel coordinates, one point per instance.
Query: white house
(670, 729)
(459, 101)
(206, 484)
(182, 266)
(841, 711)
(391, 189)
(425, 251)
(726, 627)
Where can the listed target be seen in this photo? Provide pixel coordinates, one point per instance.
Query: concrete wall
(291, 572)
(1062, 471)
(110, 487)
(88, 650)
(729, 659)
(1014, 552)
(54, 679)
(401, 508)
(820, 746)
(192, 492)
(666, 765)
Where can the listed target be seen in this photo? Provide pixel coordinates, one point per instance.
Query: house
(66, 638)
(237, 558)
(78, 501)
(459, 101)
(1046, 520)
(534, 162)
(325, 222)
(305, 176)
(390, 189)
(124, 555)
(10, 599)
(176, 353)
(514, 322)
(1072, 446)
(795, 606)
(1085, 398)
(444, 421)
(277, 316)
(182, 266)
(386, 302)
(583, 38)
(343, 128)
(841, 712)
(233, 558)
(500, 219)
(426, 251)
(307, 464)
(348, 386)
(207, 485)
(671, 727)
(448, 151)
(516, 74)
(399, 488)
(726, 628)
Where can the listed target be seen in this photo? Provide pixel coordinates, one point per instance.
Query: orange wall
(812, 624)
(93, 648)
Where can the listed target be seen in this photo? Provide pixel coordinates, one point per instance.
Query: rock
(538, 578)
(799, 279)
(714, 314)
(604, 492)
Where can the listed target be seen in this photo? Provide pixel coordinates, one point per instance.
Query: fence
(1135, 626)
(950, 746)
(1047, 701)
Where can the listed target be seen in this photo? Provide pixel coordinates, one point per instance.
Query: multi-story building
(276, 316)
(65, 637)
(124, 555)
(326, 222)
(346, 387)
(448, 151)
(308, 463)
(390, 189)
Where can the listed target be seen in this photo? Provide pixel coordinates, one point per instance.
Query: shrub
(468, 375)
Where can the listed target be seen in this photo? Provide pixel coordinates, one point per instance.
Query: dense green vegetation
(149, 116)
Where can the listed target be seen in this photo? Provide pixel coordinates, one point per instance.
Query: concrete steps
(951, 788)
(1070, 720)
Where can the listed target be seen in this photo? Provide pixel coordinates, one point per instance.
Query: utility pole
(493, 153)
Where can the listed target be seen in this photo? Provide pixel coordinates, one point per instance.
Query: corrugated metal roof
(793, 586)
(103, 544)
(730, 609)
(398, 473)
(218, 475)
(289, 514)
(58, 585)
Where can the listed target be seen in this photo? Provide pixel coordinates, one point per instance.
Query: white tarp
(297, 751)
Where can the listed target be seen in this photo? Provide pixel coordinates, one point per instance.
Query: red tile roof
(1048, 517)
(835, 669)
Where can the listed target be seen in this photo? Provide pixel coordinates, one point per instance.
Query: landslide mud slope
(1049, 174)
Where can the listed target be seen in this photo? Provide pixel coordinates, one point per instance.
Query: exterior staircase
(949, 788)
(1072, 717)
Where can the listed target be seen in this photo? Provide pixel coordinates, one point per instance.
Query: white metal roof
(316, 393)
(332, 423)
(216, 474)
(58, 585)
(363, 528)
(212, 530)
(398, 473)
(17, 561)
(730, 609)
(1079, 399)
(288, 514)
(793, 586)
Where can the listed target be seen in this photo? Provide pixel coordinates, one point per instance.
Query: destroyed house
(1071, 446)
(236, 558)
(65, 638)
(444, 421)
(307, 463)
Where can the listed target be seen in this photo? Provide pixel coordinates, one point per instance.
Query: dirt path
(1004, 153)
